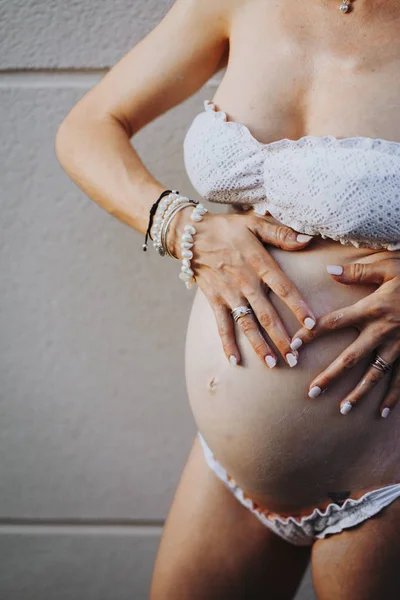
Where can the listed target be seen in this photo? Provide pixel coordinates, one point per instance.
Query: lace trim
(388, 492)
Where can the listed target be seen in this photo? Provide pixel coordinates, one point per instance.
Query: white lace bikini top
(345, 189)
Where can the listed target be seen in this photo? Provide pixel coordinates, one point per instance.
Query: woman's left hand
(377, 317)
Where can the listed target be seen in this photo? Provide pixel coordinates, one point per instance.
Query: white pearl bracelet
(166, 208)
(186, 243)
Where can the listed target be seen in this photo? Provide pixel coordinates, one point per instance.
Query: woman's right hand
(232, 268)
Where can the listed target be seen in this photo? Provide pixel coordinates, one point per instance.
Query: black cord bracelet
(152, 213)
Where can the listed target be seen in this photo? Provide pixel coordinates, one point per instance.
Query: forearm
(99, 158)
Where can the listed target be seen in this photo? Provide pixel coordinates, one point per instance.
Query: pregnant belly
(284, 449)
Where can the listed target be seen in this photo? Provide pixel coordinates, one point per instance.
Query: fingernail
(302, 238)
(271, 361)
(334, 269)
(385, 412)
(347, 406)
(309, 323)
(315, 391)
(233, 360)
(296, 343)
(292, 360)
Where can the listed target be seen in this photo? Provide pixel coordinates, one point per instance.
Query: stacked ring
(241, 311)
(381, 364)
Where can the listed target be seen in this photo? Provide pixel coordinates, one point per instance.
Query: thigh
(361, 563)
(212, 547)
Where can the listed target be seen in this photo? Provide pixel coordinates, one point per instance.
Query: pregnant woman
(294, 331)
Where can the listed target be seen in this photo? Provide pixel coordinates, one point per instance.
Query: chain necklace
(345, 6)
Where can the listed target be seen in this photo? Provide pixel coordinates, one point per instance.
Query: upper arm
(165, 67)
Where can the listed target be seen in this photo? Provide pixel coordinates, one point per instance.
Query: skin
(294, 69)
(377, 317)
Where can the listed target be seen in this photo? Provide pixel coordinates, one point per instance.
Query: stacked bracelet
(166, 224)
(165, 210)
(186, 243)
(159, 215)
(162, 212)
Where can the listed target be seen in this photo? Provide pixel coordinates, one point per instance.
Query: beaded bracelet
(186, 243)
(160, 213)
(166, 211)
(152, 213)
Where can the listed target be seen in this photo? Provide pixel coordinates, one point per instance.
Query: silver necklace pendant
(344, 7)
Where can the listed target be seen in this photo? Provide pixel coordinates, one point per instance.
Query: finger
(393, 395)
(269, 319)
(370, 379)
(248, 324)
(376, 272)
(365, 343)
(278, 235)
(351, 316)
(226, 331)
(270, 273)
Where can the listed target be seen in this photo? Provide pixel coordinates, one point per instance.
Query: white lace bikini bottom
(303, 531)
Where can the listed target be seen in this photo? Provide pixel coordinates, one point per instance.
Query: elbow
(59, 143)
(64, 143)
(69, 134)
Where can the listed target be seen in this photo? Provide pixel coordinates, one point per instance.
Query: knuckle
(283, 289)
(247, 324)
(376, 375)
(357, 271)
(266, 319)
(264, 273)
(349, 360)
(283, 346)
(260, 348)
(283, 234)
(331, 322)
(392, 319)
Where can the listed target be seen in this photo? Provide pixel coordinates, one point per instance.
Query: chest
(295, 71)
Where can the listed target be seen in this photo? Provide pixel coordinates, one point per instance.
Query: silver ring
(381, 364)
(241, 311)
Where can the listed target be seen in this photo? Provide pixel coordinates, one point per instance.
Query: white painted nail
(315, 391)
(347, 406)
(309, 323)
(302, 238)
(292, 360)
(296, 343)
(271, 361)
(385, 412)
(233, 360)
(334, 269)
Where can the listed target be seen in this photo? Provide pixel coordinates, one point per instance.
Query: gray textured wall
(91, 359)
